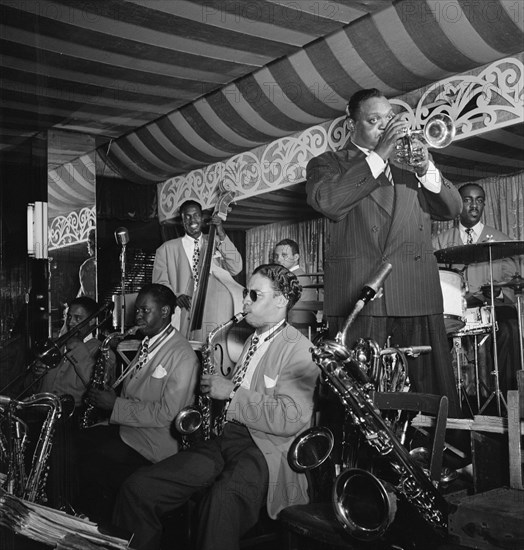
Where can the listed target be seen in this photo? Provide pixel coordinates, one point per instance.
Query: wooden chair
(317, 522)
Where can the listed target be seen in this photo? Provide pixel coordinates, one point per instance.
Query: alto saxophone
(99, 378)
(31, 487)
(193, 418)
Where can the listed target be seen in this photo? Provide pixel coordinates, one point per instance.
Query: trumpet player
(380, 211)
(270, 401)
(158, 382)
(73, 373)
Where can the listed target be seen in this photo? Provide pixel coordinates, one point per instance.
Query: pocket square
(160, 372)
(270, 382)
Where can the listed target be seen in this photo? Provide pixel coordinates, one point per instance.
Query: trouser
(231, 469)
(104, 462)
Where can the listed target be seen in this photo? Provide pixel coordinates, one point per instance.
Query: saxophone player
(158, 382)
(270, 401)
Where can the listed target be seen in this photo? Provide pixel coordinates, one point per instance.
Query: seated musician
(73, 373)
(270, 401)
(158, 382)
(178, 266)
(286, 253)
(469, 231)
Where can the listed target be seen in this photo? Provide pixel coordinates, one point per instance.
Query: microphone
(122, 235)
(369, 290)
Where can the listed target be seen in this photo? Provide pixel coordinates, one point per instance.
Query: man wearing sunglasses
(269, 401)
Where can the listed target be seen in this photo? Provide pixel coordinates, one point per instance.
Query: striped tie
(387, 173)
(469, 238)
(385, 194)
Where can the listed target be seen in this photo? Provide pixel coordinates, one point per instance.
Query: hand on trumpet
(395, 129)
(216, 386)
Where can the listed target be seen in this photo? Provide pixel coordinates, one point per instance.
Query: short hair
(282, 280)
(187, 204)
(87, 303)
(289, 242)
(463, 187)
(358, 98)
(161, 294)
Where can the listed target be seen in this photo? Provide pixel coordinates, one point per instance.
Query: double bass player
(178, 265)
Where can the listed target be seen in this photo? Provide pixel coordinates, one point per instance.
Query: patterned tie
(241, 372)
(237, 380)
(385, 194)
(196, 259)
(143, 355)
(469, 238)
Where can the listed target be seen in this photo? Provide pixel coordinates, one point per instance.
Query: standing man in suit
(178, 264)
(269, 401)
(469, 231)
(286, 253)
(378, 212)
(157, 384)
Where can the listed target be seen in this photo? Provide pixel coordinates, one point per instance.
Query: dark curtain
(123, 200)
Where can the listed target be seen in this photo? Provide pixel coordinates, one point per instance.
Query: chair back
(424, 403)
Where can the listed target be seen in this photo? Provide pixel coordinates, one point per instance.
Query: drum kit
(462, 321)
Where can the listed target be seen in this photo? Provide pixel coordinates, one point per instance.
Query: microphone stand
(123, 288)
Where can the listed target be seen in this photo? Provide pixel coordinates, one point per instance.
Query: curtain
(260, 242)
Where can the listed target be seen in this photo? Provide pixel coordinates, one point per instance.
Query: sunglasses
(254, 294)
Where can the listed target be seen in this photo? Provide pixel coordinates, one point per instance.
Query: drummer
(469, 231)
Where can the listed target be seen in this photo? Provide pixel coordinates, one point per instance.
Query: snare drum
(453, 294)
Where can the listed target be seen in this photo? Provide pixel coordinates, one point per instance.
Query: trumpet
(439, 131)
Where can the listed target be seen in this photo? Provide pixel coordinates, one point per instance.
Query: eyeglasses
(254, 295)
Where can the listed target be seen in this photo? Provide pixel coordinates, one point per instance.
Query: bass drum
(454, 296)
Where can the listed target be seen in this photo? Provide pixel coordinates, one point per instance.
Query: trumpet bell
(310, 449)
(439, 131)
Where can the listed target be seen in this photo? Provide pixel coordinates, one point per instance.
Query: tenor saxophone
(99, 379)
(198, 417)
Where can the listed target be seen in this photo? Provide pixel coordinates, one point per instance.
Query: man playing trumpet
(380, 211)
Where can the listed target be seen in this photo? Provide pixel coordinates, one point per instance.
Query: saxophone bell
(188, 420)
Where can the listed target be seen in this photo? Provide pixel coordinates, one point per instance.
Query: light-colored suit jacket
(173, 269)
(150, 400)
(276, 408)
(478, 274)
(361, 234)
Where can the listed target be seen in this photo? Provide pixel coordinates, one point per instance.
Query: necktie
(237, 380)
(387, 173)
(241, 372)
(143, 355)
(469, 238)
(385, 194)
(196, 258)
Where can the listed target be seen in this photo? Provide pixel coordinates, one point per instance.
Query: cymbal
(479, 252)
(314, 285)
(516, 283)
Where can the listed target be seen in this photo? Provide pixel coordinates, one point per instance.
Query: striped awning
(168, 86)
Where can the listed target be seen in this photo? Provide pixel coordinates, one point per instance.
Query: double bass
(220, 302)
